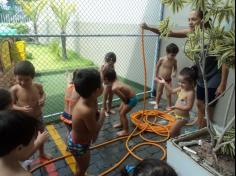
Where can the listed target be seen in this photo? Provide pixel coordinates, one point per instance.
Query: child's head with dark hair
(24, 72)
(110, 76)
(87, 82)
(24, 68)
(153, 167)
(17, 133)
(5, 99)
(188, 77)
(74, 74)
(172, 49)
(110, 57)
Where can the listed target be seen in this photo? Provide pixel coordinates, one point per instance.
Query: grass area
(54, 86)
(45, 60)
(51, 70)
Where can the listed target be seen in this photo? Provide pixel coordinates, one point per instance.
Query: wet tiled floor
(102, 158)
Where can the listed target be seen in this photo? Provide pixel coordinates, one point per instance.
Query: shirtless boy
(110, 60)
(127, 96)
(166, 68)
(6, 104)
(28, 96)
(19, 143)
(85, 125)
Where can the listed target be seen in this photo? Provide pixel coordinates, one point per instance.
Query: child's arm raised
(169, 88)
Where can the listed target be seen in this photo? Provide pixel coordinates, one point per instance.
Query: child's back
(128, 100)
(126, 90)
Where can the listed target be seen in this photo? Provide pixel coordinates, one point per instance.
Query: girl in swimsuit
(186, 96)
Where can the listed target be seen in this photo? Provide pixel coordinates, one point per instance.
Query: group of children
(21, 109)
(21, 122)
(166, 68)
(81, 113)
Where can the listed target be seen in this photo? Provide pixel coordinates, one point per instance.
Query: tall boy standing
(29, 96)
(85, 125)
(166, 68)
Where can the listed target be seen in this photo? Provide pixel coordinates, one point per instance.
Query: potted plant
(219, 42)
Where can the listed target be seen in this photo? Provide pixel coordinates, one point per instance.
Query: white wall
(110, 17)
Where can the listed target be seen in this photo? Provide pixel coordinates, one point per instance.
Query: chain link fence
(59, 36)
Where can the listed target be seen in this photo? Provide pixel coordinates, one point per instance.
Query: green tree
(63, 10)
(32, 10)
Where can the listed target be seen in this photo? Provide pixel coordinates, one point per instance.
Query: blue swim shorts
(77, 150)
(132, 101)
(67, 119)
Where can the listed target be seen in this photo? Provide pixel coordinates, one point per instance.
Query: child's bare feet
(118, 125)
(156, 106)
(107, 114)
(152, 102)
(122, 133)
(112, 112)
(46, 156)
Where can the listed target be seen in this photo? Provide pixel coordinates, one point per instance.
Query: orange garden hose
(142, 121)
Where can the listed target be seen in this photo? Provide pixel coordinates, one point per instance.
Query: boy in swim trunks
(29, 96)
(166, 68)
(85, 125)
(127, 96)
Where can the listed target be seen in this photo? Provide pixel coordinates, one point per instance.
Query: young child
(150, 167)
(6, 104)
(166, 68)
(5, 99)
(19, 143)
(110, 60)
(71, 98)
(85, 125)
(186, 96)
(127, 96)
(28, 96)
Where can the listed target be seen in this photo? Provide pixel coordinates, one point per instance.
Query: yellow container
(20, 50)
(5, 55)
